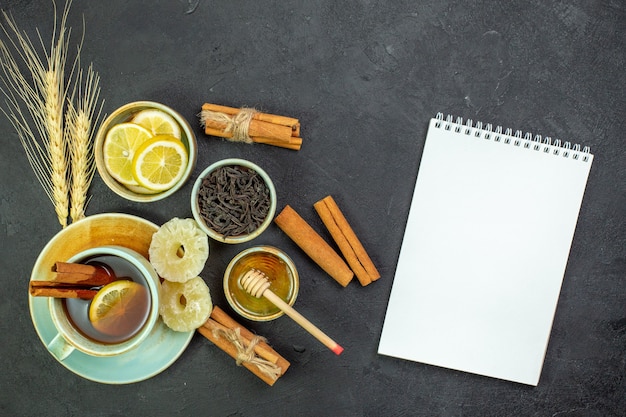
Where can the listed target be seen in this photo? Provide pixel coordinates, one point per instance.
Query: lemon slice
(160, 163)
(140, 190)
(119, 308)
(157, 122)
(120, 145)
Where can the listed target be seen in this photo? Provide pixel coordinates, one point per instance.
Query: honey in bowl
(126, 317)
(280, 272)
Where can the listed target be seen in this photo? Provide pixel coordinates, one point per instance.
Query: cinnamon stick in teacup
(314, 245)
(347, 241)
(37, 289)
(72, 280)
(81, 274)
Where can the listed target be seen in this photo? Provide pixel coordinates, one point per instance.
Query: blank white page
(484, 252)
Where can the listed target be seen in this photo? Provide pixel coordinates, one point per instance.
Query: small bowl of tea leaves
(233, 200)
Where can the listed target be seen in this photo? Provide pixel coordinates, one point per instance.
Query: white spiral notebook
(485, 249)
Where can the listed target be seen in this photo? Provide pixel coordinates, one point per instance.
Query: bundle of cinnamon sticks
(72, 280)
(248, 125)
(249, 350)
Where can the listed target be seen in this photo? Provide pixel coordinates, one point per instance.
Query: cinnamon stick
(347, 241)
(293, 143)
(61, 292)
(81, 274)
(54, 284)
(313, 245)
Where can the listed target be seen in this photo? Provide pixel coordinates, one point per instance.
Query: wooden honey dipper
(256, 284)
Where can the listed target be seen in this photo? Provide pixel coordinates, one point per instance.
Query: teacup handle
(59, 347)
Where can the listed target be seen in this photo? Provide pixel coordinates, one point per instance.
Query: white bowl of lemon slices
(145, 151)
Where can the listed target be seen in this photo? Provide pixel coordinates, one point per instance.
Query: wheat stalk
(55, 142)
(81, 119)
(36, 152)
(44, 100)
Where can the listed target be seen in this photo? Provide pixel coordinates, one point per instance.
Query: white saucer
(162, 347)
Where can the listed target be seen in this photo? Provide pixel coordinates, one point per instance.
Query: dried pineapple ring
(185, 306)
(179, 250)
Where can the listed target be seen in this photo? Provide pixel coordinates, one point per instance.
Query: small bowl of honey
(277, 267)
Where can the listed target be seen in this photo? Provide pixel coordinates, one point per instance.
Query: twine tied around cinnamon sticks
(249, 125)
(246, 354)
(249, 350)
(237, 125)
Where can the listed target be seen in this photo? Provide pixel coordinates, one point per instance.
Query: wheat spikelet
(57, 145)
(54, 97)
(82, 116)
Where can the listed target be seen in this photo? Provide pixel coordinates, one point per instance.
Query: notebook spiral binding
(526, 141)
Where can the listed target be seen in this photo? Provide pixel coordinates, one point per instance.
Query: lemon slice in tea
(120, 308)
(157, 122)
(160, 163)
(120, 145)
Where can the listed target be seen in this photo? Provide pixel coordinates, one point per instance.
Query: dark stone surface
(364, 77)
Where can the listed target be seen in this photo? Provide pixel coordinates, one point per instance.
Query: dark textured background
(364, 77)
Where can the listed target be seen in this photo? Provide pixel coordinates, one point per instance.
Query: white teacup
(69, 338)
